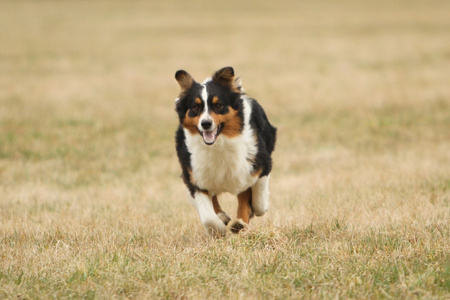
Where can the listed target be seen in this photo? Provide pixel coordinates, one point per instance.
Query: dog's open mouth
(210, 136)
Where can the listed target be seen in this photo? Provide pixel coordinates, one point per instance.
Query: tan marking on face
(232, 123)
(191, 123)
(198, 101)
(215, 100)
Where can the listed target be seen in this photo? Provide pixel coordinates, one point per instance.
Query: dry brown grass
(91, 205)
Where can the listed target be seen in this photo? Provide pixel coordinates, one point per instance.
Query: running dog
(224, 143)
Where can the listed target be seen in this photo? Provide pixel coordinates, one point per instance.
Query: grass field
(91, 203)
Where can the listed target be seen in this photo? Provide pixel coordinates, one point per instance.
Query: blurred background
(359, 92)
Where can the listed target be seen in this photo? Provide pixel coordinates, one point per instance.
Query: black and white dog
(224, 143)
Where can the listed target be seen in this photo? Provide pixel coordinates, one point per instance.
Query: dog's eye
(196, 108)
(218, 106)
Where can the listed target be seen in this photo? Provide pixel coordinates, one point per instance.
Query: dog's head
(211, 108)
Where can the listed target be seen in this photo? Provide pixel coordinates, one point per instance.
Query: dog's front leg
(213, 224)
(260, 193)
(220, 213)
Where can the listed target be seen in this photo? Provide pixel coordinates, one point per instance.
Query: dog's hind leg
(244, 212)
(219, 212)
(204, 205)
(260, 193)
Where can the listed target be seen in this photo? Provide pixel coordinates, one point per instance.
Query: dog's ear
(225, 77)
(184, 79)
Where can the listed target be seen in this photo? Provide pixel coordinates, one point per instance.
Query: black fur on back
(184, 157)
(266, 136)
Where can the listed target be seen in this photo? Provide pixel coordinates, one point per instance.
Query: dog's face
(212, 108)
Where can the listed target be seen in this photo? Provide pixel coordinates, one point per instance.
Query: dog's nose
(206, 124)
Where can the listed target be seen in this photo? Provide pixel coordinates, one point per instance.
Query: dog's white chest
(225, 166)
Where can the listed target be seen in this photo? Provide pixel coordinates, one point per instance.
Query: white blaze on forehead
(205, 115)
(204, 93)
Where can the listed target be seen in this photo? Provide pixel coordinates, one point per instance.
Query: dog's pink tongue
(209, 136)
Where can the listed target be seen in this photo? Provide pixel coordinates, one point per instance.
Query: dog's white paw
(215, 227)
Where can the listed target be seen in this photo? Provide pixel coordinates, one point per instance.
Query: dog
(224, 143)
